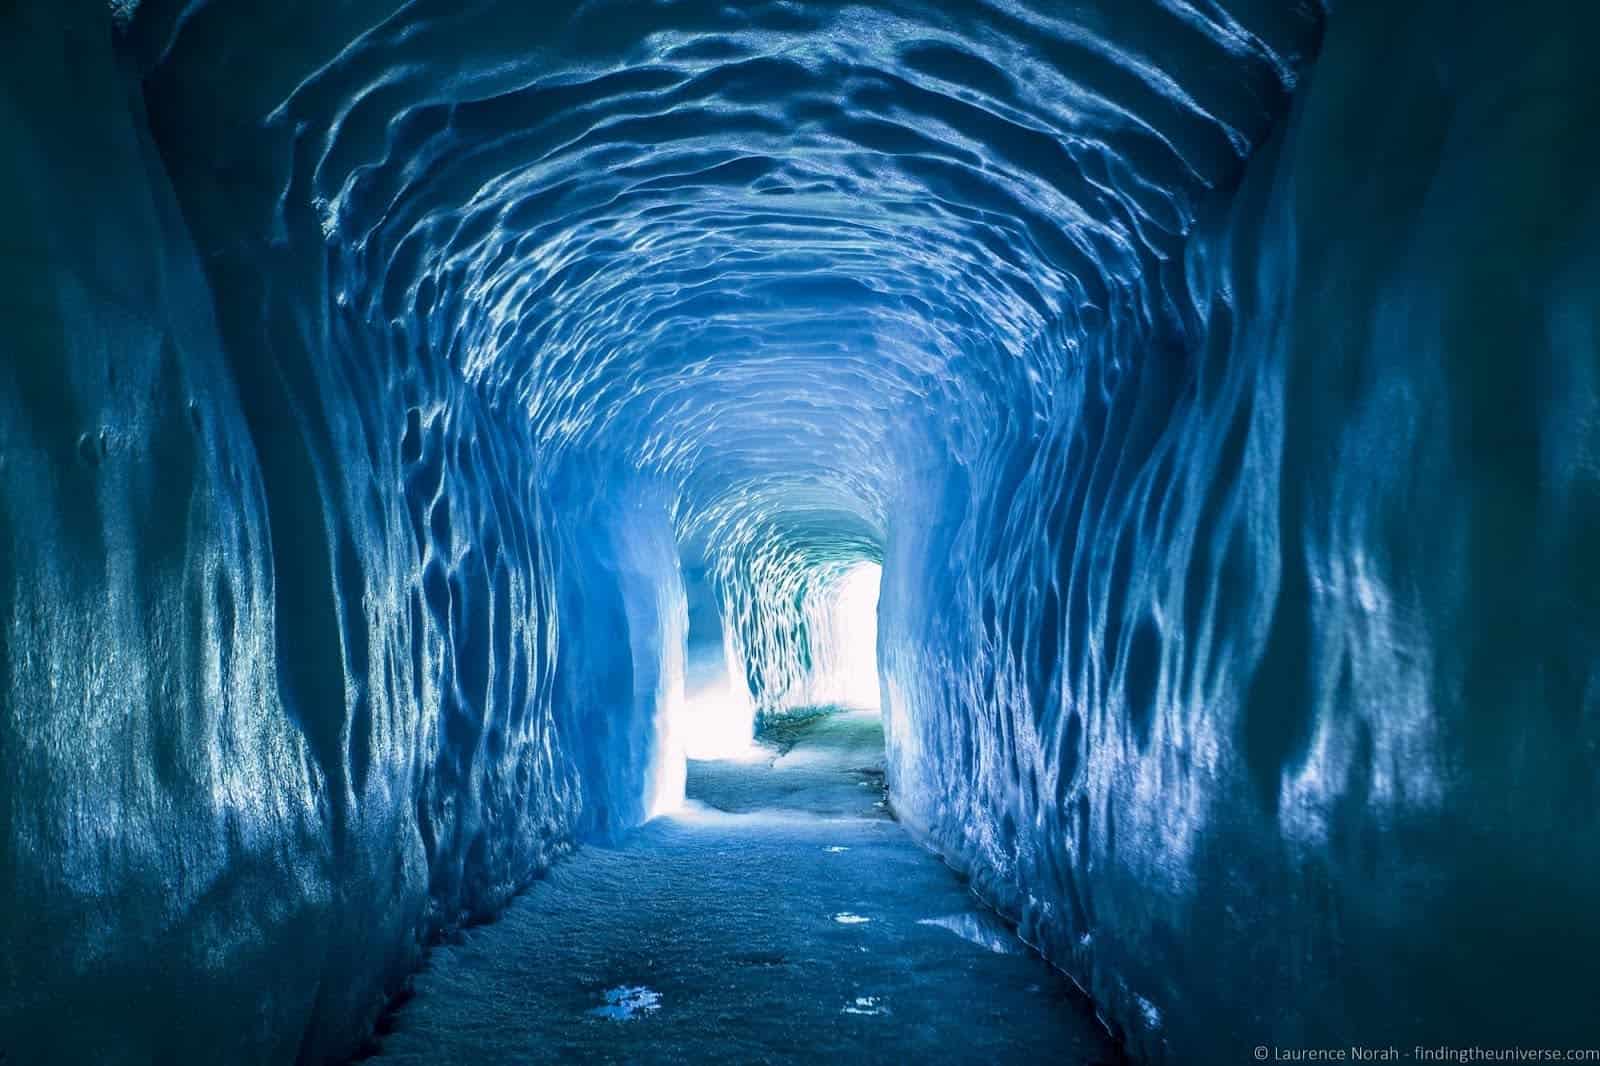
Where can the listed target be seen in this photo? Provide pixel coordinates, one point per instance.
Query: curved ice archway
(785, 259)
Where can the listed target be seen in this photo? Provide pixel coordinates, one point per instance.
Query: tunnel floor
(782, 917)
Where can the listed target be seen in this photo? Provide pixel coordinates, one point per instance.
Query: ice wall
(1273, 667)
(622, 666)
(279, 700)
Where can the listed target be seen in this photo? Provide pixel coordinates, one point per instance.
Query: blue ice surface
(710, 936)
(626, 1002)
(401, 402)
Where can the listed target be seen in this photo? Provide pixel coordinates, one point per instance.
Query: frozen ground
(783, 917)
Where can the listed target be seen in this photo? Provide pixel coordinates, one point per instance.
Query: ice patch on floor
(624, 1002)
(1152, 1015)
(981, 929)
(867, 1005)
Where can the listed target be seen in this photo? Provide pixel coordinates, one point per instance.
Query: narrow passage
(782, 917)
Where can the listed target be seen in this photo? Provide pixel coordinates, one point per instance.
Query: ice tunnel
(413, 413)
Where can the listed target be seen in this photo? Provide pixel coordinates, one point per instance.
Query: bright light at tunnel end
(716, 719)
(848, 652)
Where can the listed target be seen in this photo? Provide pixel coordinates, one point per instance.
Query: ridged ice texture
(277, 627)
(1272, 708)
(456, 317)
(1237, 628)
(775, 257)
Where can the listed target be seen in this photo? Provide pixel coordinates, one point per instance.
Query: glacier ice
(627, 1002)
(418, 421)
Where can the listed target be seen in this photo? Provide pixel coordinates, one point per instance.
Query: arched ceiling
(770, 251)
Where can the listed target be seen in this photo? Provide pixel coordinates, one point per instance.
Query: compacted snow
(781, 917)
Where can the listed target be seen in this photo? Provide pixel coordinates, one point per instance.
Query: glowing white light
(843, 619)
(668, 773)
(664, 642)
(718, 718)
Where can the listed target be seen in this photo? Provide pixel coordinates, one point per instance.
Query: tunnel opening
(806, 646)
(719, 716)
(842, 625)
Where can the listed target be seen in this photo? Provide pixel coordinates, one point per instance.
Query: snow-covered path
(783, 917)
